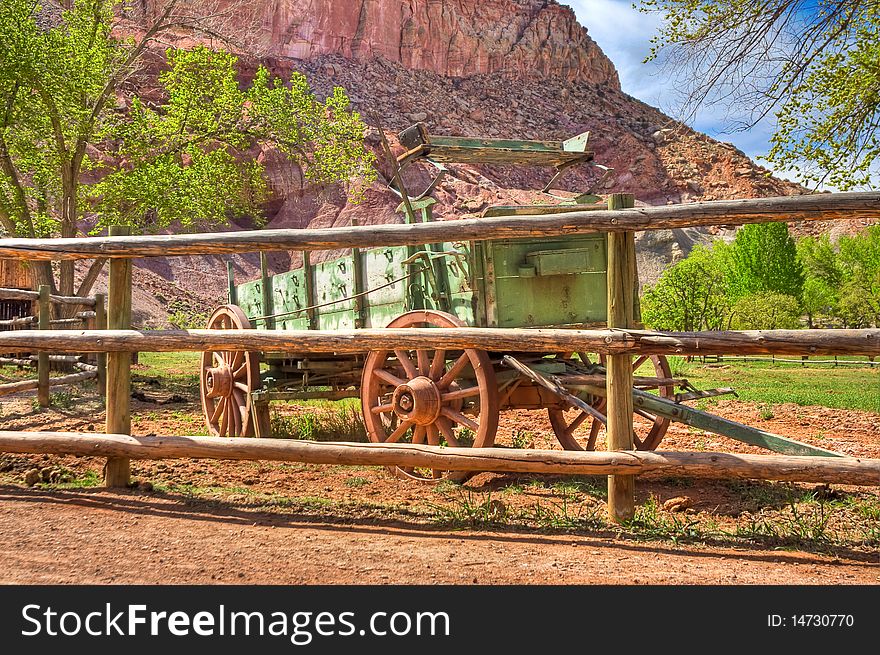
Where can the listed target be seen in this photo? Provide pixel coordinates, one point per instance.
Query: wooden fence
(95, 318)
(621, 220)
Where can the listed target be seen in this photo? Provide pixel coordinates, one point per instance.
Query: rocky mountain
(455, 38)
(492, 68)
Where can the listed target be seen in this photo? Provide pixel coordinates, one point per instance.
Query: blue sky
(624, 35)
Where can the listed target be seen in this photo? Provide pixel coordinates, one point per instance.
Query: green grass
(842, 387)
(339, 423)
(170, 363)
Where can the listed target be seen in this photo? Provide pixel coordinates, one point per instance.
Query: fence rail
(615, 342)
(24, 294)
(727, 212)
(846, 470)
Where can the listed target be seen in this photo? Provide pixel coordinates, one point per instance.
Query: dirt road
(104, 537)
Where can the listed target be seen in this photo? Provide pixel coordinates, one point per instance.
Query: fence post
(232, 293)
(117, 472)
(43, 358)
(101, 324)
(268, 297)
(621, 284)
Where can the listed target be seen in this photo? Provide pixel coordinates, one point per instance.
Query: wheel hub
(218, 381)
(418, 400)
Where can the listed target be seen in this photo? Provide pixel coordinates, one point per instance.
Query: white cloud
(624, 34)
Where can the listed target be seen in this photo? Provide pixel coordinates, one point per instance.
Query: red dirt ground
(252, 522)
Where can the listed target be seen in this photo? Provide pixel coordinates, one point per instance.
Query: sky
(624, 35)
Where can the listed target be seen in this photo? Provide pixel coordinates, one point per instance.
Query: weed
(356, 482)
(466, 510)
(652, 522)
(65, 399)
(342, 423)
(466, 436)
(523, 439)
(765, 412)
(64, 478)
(182, 316)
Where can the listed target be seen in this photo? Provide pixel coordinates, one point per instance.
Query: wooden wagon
(450, 397)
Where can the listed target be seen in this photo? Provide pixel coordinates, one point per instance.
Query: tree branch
(91, 277)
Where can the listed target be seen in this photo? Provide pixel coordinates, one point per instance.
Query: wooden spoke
(218, 410)
(437, 364)
(235, 413)
(387, 376)
(460, 418)
(422, 361)
(576, 423)
(458, 394)
(395, 436)
(453, 372)
(446, 430)
(408, 366)
(242, 386)
(433, 435)
(595, 428)
(419, 434)
(645, 414)
(382, 409)
(641, 360)
(224, 419)
(237, 359)
(218, 358)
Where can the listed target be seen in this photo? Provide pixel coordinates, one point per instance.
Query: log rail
(815, 207)
(610, 342)
(841, 470)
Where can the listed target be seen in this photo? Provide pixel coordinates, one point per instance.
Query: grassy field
(840, 387)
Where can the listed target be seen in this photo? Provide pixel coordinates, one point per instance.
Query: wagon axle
(417, 401)
(219, 381)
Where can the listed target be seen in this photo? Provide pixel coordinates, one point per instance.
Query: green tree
(690, 295)
(814, 64)
(766, 310)
(818, 300)
(763, 258)
(823, 277)
(860, 292)
(75, 143)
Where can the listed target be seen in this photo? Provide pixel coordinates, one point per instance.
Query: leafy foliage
(843, 279)
(76, 145)
(763, 280)
(766, 310)
(690, 295)
(190, 161)
(815, 64)
(763, 258)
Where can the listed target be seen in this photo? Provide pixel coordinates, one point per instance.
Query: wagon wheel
(648, 429)
(430, 396)
(227, 379)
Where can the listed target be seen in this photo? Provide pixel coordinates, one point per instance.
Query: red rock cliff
(455, 38)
